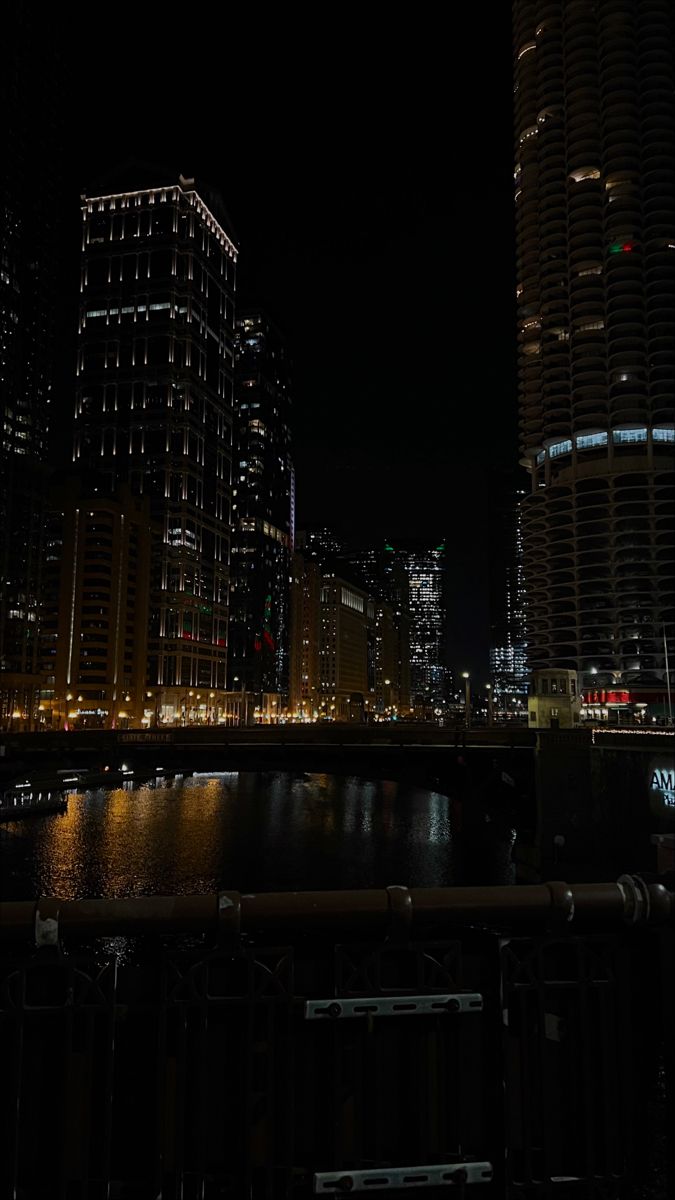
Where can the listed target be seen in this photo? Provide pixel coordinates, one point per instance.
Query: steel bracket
(393, 1006)
(384, 1179)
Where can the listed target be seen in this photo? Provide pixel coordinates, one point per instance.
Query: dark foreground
(512, 1040)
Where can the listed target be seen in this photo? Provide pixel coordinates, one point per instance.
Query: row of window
(620, 437)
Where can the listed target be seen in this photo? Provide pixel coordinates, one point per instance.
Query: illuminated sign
(602, 696)
(663, 780)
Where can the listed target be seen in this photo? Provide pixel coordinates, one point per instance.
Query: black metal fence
(525, 1059)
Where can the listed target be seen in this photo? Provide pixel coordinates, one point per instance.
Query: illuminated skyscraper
(508, 651)
(262, 509)
(595, 218)
(426, 590)
(154, 410)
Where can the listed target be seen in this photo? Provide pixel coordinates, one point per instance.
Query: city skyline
(381, 458)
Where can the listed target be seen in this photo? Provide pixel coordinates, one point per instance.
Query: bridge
(577, 797)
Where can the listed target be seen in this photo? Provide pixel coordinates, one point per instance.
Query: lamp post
(488, 689)
(467, 698)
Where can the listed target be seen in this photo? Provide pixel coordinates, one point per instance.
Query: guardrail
(514, 1040)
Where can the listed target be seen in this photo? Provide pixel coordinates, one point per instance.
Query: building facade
(154, 408)
(508, 650)
(305, 678)
(262, 509)
(595, 223)
(346, 650)
(30, 185)
(426, 589)
(383, 572)
(94, 635)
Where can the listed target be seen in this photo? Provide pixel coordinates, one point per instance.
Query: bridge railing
(516, 1040)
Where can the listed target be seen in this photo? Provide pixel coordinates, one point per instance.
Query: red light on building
(601, 696)
(627, 247)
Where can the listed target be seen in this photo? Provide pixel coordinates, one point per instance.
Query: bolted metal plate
(393, 1006)
(341, 1183)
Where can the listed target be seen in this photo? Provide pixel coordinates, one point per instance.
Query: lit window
(586, 441)
(532, 348)
(586, 326)
(629, 436)
(541, 457)
(589, 271)
(663, 435)
(559, 448)
(582, 173)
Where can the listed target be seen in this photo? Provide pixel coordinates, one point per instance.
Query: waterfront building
(94, 635)
(262, 509)
(305, 680)
(154, 407)
(595, 224)
(346, 650)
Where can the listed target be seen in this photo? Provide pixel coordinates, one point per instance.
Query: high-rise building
(305, 679)
(262, 509)
(383, 572)
(508, 651)
(96, 594)
(595, 222)
(426, 583)
(154, 407)
(29, 239)
(346, 650)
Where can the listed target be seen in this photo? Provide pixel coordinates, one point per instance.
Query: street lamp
(488, 689)
(467, 698)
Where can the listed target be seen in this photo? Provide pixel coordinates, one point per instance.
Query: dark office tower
(384, 574)
(319, 542)
(30, 98)
(262, 509)
(154, 409)
(595, 219)
(508, 651)
(426, 584)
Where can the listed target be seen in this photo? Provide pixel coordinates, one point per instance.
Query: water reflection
(249, 831)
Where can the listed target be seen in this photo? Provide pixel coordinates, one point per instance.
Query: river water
(241, 830)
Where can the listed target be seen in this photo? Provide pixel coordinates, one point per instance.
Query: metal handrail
(375, 911)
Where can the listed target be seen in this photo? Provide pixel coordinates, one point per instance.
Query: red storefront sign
(602, 696)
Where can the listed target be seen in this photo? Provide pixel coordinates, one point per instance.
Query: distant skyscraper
(262, 508)
(29, 238)
(508, 653)
(426, 584)
(320, 543)
(383, 572)
(595, 219)
(154, 410)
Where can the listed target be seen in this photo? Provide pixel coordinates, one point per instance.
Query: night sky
(366, 166)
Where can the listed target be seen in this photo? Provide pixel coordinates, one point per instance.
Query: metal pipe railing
(379, 912)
